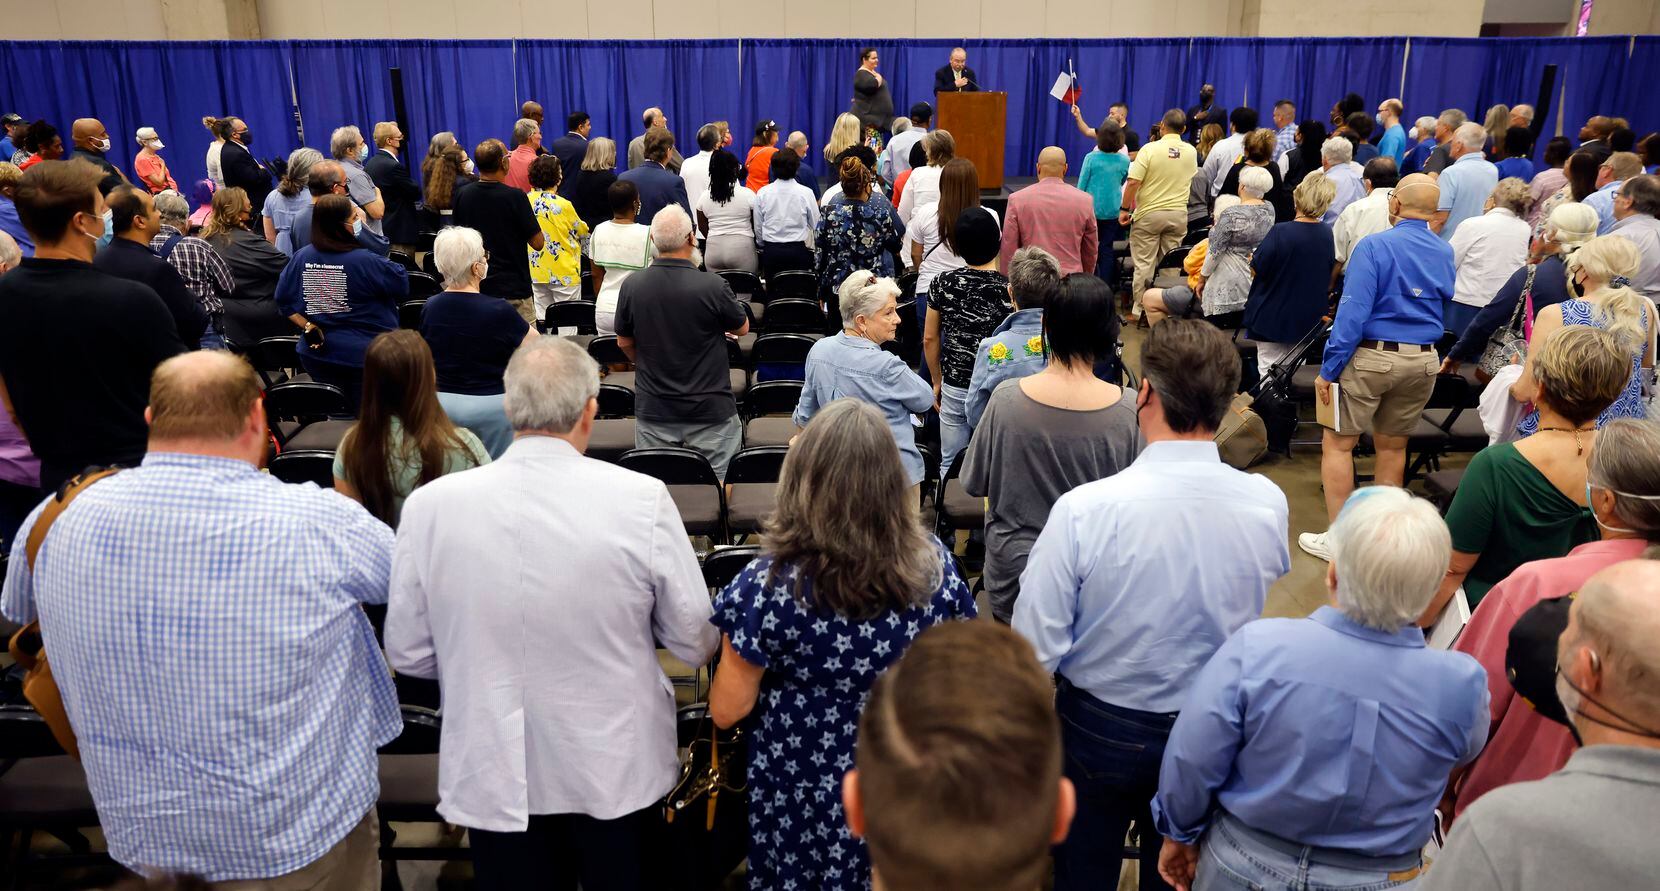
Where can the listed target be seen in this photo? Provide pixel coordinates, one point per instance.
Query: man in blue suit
(658, 187)
(570, 149)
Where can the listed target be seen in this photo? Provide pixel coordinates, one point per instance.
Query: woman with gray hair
(853, 364)
(1225, 279)
(847, 578)
(290, 197)
(1272, 770)
(472, 338)
(1623, 492)
(1487, 250)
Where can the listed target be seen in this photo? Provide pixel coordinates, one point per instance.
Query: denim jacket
(1014, 350)
(846, 365)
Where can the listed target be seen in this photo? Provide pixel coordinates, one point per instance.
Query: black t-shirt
(472, 337)
(77, 348)
(971, 304)
(137, 263)
(678, 317)
(502, 215)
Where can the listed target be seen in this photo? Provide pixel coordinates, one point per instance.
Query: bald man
(1380, 362)
(1590, 824)
(652, 119)
(1052, 215)
(92, 142)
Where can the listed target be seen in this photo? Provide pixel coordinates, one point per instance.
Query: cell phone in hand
(313, 337)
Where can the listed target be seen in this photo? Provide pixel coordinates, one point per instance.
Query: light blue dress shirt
(846, 365)
(785, 212)
(1602, 201)
(1465, 185)
(1350, 188)
(206, 629)
(1323, 732)
(1393, 289)
(1137, 579)
(897, 156)
(1016, 335)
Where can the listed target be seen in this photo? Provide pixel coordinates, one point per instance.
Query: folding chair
(744, 284)
(41, 790)
(424, 242)
(304, 466)
(409, 314)
(307, 415)
(767, 411)
(404, 260)
(781, 356)
(422, 285)
(614, 427)
(1428, 442)
(752, 480)
(578, 314)
(696, 491)
(721, 565)
(792, 284)
(276, 359)
(790, 314)
(957, 510)
(605, 351)
(409, 787)
(1288, 383)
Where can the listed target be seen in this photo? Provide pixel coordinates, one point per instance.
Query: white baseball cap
(148, 134)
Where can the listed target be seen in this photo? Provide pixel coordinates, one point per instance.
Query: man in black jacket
(128, 256)
(570, 149)
(957, 77)
(398, 189)
(243, 171)
(92, 142)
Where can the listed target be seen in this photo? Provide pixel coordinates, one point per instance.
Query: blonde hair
(1512, 194)
(1581, 370)
(1314, 195)
(383, 132)
(1570, 225)
(1209, 136)
(941, 147)
(843, 136)
(1623, 312)
(601, 155)
(226, 215)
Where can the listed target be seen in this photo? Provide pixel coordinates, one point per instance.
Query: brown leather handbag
(26, 645)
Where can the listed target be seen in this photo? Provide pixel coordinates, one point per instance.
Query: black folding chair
(409, 787)
(722, 564)
(404, 260)
(744, 284)
(276, 359)
(752, 479)
(307, 415)
(781, 356)
(422, 285)
(42, 789)
(696, 491)
(605, 351)
(792, 284)
(957, 510)
(409, 314)
(767, 411)
(578, 314)
(613, 434)
(304, 466)
(789, 314)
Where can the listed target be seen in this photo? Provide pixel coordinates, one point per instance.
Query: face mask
(1379, 119)
(357, 227)
(103, 144)
(362, 153)
(154, 144)
(109, 228)
(247, 138)
(1579, 287)
(467, 166)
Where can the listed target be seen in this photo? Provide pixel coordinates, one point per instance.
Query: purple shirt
(18, 463)
(1056, 217)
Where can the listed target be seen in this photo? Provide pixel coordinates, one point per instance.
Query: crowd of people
(231, 649)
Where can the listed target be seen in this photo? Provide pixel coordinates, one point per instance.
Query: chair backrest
(907, 286)
(757, 464)
(1451, 391)
(424, 242)
(422, 285)
(1173, 260)
(409, 314)
(272, 357)
(672, 466)
(781, 349)
(578, 314)
(429, 264)
(305, 401)
(403, 259)
(305, 466)
(605, 351)
(615, 401)
(1196, 236)
(24, 734)
(772, 398)
(793, 314)
(722, 565)
(792, 284)
(421, 729)
(741, 282)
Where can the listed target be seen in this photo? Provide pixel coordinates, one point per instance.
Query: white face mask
(103, 144)
(357, 227)
(154, 144)
(467, 166)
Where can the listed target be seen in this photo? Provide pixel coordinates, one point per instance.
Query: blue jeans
(954, 429)
(1235, 856)
(1106, 261)
(1112, 759)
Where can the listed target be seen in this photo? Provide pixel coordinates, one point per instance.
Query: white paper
(1062, 84)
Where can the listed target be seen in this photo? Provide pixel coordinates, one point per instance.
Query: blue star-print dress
(820, 667)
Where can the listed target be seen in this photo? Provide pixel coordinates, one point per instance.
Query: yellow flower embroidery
(999, 353)
(1034, 346)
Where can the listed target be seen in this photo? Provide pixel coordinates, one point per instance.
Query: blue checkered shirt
(1285, 139)
(205, 626)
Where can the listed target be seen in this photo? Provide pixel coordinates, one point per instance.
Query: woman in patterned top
(848, 578)
(860, 232)
(965, 306)
(1225, 279)
(554, 273)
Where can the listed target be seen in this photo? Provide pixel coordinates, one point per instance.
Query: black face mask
(1579, 287)
(247, 138)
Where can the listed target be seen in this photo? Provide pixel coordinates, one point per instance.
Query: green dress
(406, 463)
(1507, 512)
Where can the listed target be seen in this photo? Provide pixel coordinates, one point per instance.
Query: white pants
(549, 293)
(1269, 353)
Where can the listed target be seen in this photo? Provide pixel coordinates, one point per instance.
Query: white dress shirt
(1487, 250)
(1360, 219)
(1220, 160)
(695, 172)
(533, 588)
(785, 212)
(922, 188)
(1138, 578)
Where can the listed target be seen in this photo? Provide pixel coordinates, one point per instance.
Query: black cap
(765, 127)
(978, 236)
(1530, 658)
(10, 119)
(922, 110)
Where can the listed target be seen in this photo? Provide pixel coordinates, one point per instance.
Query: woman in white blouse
(958, 190)
(924, 184)
(725, 217)
(617, 248)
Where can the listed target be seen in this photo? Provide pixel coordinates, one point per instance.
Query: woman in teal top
(1525, 500)
(1103, 178)
(402, 439)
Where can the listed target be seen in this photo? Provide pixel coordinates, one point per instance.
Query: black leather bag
(706, 814)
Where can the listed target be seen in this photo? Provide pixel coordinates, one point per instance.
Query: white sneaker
(1315, 544)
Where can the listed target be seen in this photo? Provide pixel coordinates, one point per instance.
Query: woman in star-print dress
(848, 579)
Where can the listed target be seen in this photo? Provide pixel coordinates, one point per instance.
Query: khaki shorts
(1382, 392)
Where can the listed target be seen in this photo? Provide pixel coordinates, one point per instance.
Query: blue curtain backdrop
(474, 87)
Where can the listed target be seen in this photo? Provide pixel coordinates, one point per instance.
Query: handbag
(1242, 438)
(27, 647)
(706, 813)
(1509, 340)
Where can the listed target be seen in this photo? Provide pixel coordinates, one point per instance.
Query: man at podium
(956, 76)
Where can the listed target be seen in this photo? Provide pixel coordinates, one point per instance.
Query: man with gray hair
(673, 320)
(1611, 175)
(1337, 159)
(1445, 125)
(798, 145)
(1244, 789)
(1034, 279)
(527, 145)
(545, 565)
(347, 146)
(206, 275)
(652, 119)
(326, 178)
(1590, 824)
(694, 171)
(1466, 183)
(1413, 161)
(1637, 219)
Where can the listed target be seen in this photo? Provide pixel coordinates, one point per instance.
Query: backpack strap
(55, 508)
(167, 246)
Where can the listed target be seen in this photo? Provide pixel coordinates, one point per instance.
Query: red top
(147, 164)
(759, 164)
(518, 167)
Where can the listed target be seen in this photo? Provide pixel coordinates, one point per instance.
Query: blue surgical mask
(363, 153)
(1381, 124)
(109, 228)
(357, 227)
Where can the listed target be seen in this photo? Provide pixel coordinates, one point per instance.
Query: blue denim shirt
(848, 366)
(1018, 344)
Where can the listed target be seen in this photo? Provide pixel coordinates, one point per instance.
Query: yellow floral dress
(558, 262)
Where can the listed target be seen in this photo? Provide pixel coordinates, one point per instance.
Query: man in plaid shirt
(206, 275)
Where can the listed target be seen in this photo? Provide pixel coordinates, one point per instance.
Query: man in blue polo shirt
(1381, 353)
(1466, 182)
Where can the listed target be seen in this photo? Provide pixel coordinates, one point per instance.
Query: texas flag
(1066, 88)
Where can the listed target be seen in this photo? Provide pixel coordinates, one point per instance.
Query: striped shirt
(206, 631)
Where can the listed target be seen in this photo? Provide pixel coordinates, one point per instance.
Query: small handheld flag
(1066, 87)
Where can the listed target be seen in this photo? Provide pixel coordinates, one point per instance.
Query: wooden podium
(976, 122)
